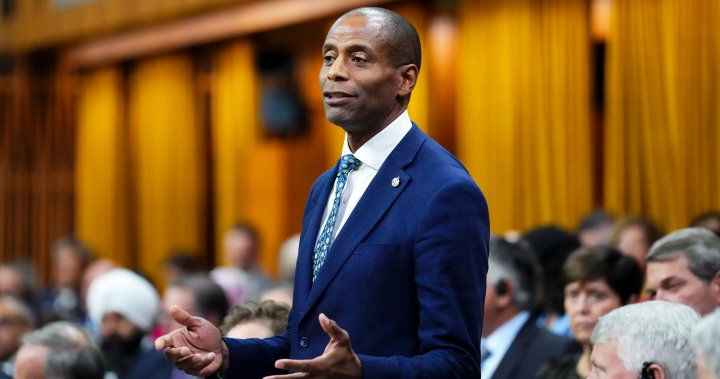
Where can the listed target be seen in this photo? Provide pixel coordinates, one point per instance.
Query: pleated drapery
(524, 118)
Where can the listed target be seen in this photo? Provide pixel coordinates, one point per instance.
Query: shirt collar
(374, 152)
(499, 341)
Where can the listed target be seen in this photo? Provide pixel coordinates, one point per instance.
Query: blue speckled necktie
(348, 163)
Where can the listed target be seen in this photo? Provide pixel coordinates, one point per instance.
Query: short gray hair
(73, 354)
(700, 246)
(653, 331)
(705, 337)
(518, 265)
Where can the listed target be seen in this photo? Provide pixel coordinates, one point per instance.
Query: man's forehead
(356, 26)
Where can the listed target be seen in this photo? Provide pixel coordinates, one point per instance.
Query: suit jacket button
(304, 342)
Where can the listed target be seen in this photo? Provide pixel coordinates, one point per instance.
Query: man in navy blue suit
(390, 279)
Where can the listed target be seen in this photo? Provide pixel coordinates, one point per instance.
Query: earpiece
(501, 287)
(645, 372)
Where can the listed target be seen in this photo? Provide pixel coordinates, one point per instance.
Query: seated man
(124, 307)
(644, 340)
(513, 346)
(684, 267)
(16, 319)
(59, 350)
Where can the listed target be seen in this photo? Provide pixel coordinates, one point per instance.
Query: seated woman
(597, 280)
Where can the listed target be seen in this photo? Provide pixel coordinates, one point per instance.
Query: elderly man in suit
(513, 346)
(390, 278)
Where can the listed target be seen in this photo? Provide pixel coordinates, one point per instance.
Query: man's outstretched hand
(338, 361)
(197, 348)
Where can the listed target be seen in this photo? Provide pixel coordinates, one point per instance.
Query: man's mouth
(336, 98)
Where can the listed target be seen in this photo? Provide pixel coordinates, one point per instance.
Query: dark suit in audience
(513, 346)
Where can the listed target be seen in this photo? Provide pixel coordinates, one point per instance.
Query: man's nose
(337, 70)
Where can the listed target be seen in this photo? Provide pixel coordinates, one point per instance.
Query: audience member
(16, 319)
(287, 258)
(59, 350)
(70, 258)
(633, 236)
(552, 245)
(644, 340)
(18, 278)
(597, 280)
(708, 220)
(242, 279)
(513, 346)
(684, 267)
(256, 320)
(595, 229)
(178, 264)
(125, 307)
(705, 337)
(197, 293)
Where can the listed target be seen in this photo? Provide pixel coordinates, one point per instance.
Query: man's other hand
(197, 348)
(338, 361)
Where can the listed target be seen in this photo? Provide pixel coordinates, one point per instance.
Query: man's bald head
(401, 37)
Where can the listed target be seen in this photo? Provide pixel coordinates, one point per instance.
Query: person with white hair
(644, 340)
(705, 337)
(59, 350)
(124, 307)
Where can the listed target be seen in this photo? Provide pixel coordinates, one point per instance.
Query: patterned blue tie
(348, 163)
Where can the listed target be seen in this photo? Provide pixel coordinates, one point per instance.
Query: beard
(121, 351)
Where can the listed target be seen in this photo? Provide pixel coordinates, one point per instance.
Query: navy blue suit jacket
(405, 275)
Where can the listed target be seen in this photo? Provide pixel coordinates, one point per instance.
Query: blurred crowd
(99, 320)
(609, 299)
(614, 298)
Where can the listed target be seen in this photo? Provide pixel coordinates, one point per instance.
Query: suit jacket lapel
(374, 203)
(516, 352)
(303, 271)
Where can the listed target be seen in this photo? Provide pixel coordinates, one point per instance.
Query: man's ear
(656, 371)
(409, 74)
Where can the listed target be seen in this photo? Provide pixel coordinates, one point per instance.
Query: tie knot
(348, 163)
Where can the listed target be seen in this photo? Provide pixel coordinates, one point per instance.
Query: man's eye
(357, 59)
(651, 294)
(329, 59)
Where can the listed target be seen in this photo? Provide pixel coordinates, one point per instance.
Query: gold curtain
(102, 185)
(168, 145)
(249, 180)
(524, 108)
(663, 87)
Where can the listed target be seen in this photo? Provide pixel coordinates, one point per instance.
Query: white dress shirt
(372, 154)
(499, 341)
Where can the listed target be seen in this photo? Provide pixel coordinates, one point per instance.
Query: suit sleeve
(255, 358)
(450, 255)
